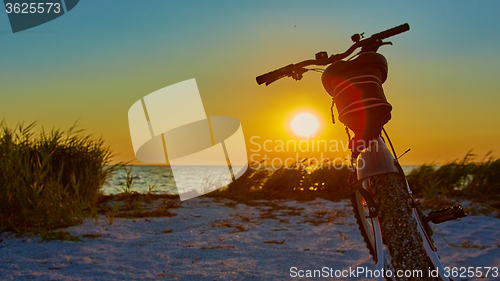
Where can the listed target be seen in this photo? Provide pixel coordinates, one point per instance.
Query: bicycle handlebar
(296, 70)
(391, 32)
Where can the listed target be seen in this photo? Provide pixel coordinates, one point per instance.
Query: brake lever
(297, 73)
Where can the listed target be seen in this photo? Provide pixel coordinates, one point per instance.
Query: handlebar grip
(272, 76)
(264, 78)
(391, 32)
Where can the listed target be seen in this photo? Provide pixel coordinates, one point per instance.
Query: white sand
(212, 240)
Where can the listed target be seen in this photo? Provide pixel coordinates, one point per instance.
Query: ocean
(159, 179)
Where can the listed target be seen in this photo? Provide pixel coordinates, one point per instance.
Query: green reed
(461, 178)
(301, 181)
(49, 179)
(464, 178)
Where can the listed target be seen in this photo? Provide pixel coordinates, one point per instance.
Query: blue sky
(93, 63)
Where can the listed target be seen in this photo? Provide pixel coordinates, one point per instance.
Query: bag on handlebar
(356, 89)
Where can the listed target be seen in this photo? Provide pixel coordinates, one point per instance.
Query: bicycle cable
(331, 110)
(319, 70)
(353, 56)
(390, 143)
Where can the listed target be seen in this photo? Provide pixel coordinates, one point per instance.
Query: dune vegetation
(301, 181)
(459, 179)
(50, 179)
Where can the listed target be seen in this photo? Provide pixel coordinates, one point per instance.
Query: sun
(304, 124)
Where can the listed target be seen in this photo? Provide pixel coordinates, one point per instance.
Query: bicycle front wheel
(399, 228)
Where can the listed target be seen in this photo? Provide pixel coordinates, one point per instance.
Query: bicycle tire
(364, 226)
(399, 228)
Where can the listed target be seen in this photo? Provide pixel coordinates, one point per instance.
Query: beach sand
(212, 239)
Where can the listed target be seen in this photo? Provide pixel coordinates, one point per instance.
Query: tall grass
(48, 180)
(300, 181)
(461, 178)
(465, 178)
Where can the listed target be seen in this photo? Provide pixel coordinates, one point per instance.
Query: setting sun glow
(305, 124)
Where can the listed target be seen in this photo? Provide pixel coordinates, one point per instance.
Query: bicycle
(382, 201)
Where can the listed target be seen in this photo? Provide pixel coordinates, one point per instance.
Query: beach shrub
(49, 179)
(466, 178)
(301, 181)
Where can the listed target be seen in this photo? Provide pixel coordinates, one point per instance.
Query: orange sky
(89, 67)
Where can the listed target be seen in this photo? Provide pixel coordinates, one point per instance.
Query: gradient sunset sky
(93, 63)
